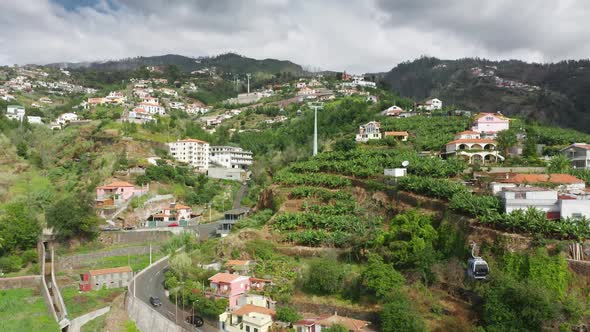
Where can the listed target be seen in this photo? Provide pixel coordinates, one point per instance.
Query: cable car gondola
(477, 267)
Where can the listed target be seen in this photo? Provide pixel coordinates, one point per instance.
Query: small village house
(560, 182)
(548, 200)
(316, 324)
(400, 135)
(489, 124)
(474, 149)
(106, 278)
(228, 286)
(116, 193)
(430, 105)
(579, 154)
(369, 131)
(248, 317)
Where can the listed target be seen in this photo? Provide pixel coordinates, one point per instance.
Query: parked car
(195, 320)
(155, 301)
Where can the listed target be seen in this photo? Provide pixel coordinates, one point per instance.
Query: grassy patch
(24, 310)
(79, 303)
(95, 325)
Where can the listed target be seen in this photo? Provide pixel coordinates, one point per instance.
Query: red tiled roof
(224, 277)
(249, 308)
(111, 270)
(306, 322)
(116, 184)
(543, 178)
(253, 279)
(396, 133)
(191, 140)
(473, 140)
(468, 132)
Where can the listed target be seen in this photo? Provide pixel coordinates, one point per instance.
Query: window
(489, 118)
(247, 328)
(255, 330)
(520, 195)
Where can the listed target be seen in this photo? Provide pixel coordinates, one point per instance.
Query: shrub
(398, 314)
(288, 314)
(325, 276)
(11, 263)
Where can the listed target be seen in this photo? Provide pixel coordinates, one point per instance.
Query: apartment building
(191, 151)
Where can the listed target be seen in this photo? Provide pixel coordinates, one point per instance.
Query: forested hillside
(551, 93)
(229, 62)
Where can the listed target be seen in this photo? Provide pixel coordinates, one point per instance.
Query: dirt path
(117, 317)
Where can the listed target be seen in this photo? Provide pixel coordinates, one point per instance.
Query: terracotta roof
(349, 323)
(191, 140)
(250, 308)
(306, 322)
(225, 278)
(543, 178)
(396, 133)
(578, 145)
(116, 184)
(473, 140)
(111, 270)
(236, 262)
(253, 279)
(180, 207)
(468, 132)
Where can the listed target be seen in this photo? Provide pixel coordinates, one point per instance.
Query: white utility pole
(248, 75)
(315, 107)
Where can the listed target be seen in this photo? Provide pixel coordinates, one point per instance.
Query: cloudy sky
(353, 35)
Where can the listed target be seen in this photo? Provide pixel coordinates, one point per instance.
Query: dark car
(155, 301)
(195, 320)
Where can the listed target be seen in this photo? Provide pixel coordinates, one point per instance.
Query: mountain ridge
(553, 93)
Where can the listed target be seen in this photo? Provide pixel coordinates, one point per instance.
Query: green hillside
(560, 99)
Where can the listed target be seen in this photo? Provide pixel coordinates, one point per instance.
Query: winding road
(151, 283)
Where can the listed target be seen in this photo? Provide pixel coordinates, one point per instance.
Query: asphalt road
(151, 283)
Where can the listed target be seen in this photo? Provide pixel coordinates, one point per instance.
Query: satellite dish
(405, 163)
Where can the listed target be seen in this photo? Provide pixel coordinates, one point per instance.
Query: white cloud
(353, 35)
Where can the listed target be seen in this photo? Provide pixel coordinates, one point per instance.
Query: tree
(172, 73)
(18, 228)
(73, 217)
(398, 314)
(22, 150)
(325, 276)
(507, 139)
(381, 278)
(288, 315)
(409, 241)
(181, 263)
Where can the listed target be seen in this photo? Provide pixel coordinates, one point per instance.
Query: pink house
(116, 193)
(229, 286)
(490, 123)
(233, 286)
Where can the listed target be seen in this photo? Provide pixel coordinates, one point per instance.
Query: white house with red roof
(489, 124)
(139, 115)
(150, 100)
(579, 154)
(401, 135)
(393, 111)
(474, 150)
(555, 205)
(430, 104)
(369, 131)
(191, 151)
(152, 108)
(561, 182)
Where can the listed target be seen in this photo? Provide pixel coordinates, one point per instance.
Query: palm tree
(506, 139)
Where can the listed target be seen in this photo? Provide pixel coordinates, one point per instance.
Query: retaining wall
(20, 282)
(146, 318)
(130, 237)
(74, 261)
(78, 322)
